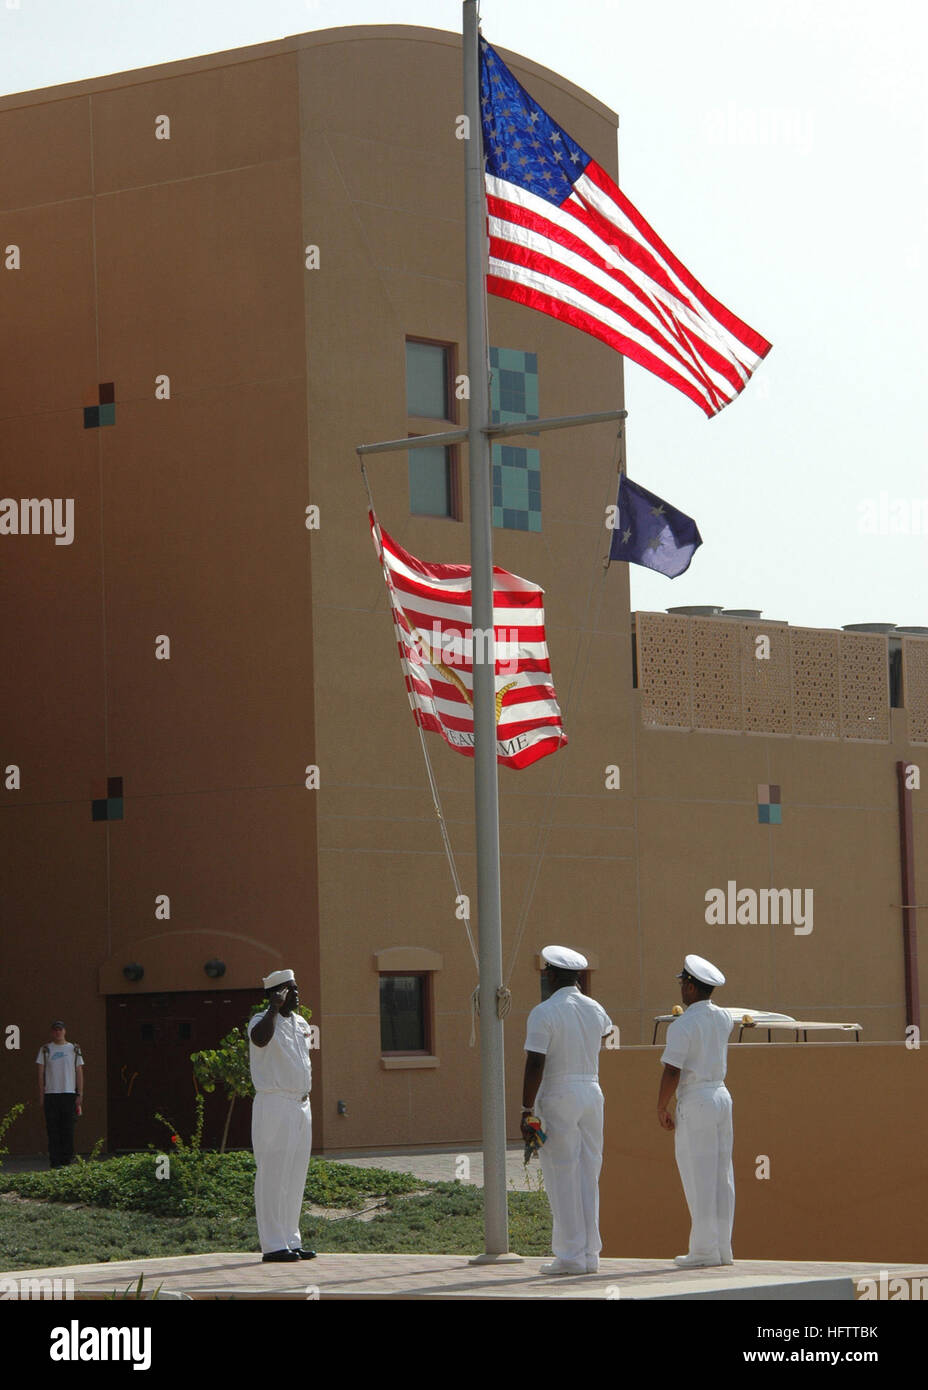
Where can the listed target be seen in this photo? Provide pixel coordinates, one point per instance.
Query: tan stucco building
(226, 274)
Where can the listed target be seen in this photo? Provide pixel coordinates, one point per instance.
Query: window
(405, 1013)
(433, 470)
(428, 380)
(430, 481)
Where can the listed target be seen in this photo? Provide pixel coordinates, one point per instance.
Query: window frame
(428, 1029)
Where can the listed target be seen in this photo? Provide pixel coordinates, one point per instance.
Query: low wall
(843, 1125)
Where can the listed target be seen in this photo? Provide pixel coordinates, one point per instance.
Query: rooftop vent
(697, 610)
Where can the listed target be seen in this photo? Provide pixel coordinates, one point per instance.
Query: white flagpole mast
(486, 789)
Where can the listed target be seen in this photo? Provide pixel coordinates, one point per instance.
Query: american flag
(432, 617)
(566, 241)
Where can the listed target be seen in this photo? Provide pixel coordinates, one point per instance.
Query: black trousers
(60, 1117)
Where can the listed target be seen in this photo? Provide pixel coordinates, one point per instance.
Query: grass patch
(448, 1220)
(38, 1229)
(198, 1184)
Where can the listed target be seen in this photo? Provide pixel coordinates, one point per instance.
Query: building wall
(842, 1129)
(836, 847)
(184, 257)
(144, 258)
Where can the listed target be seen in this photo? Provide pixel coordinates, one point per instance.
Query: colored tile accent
(104, 413)
(114, 786)
(516, 471)
(770, 814)
(763, 794)
(108, 807)
(774, 795)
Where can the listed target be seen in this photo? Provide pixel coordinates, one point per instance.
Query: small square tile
(98, 809)
(114, 786)
(107, 414)
(107, 392)
(91, 417)
(114, 808)
(776, 814)
(763, 794)
(774, 794)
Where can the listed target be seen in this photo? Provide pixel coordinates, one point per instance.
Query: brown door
(149, 1039)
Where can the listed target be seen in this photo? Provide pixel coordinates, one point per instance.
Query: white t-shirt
(60, 1070)
(283, 1065)
(569, 1029)
(697, 1043)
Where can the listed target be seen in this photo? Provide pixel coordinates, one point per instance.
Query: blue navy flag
(648, 531)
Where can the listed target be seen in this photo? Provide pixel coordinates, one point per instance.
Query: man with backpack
(61, 1092)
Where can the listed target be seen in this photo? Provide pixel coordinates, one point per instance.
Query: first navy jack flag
(431, 606)
(566, 241)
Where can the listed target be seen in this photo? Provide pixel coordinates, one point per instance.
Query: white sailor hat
(563, 958)
(278, 977)
(703, 971)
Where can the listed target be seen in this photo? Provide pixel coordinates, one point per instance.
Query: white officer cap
(563, 958)
(279, 977)
(702, 970)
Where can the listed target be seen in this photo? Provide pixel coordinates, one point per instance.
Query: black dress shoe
(279, 1257)
(305, 1254)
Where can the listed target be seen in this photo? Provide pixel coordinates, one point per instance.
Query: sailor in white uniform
(695, 1059)
(563, 1039)
(281, 1119)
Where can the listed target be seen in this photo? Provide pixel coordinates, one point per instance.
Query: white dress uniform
(569, 1028)
(281, 1129)
(697, 1043)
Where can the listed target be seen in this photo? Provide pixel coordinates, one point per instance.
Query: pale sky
(780, 148)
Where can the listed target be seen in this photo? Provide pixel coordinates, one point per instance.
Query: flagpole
(486, 789)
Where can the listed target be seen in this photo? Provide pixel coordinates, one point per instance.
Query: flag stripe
(569, 249)
(433, 625)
